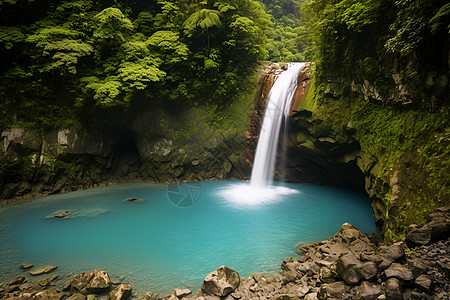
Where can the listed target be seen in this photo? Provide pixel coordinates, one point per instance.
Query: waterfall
(260, 190)
(278, 108)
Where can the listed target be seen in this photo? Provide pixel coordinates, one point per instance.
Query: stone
(418, 267)
(17, 280)
(393, 289)
(150, 296)
(49, 295)
(121, 292)
(327, 276)
(91, 297)
(62, 214)
(221, 282)
(311, 296)
(26, 266)
(392, 252)
(77, 296)
(367, 270)
(424, 283)
(346, 268)
(89, 282)
(180, 293)
(368, 291)
(43, 270)
(134, 200)
(400, 272)
(334, 290)
(46, 281)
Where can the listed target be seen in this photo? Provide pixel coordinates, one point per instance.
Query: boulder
(47, 280)
(221, 282)
(368, 291)
(346, 267)
(367, 270)
(311, 296)
(180, 293)
(436, 229)
(334, 290)
(49, 295)
(17, 280)
(424, 283)
(392, 252)
(89, 282)
(400, 272)
(393, 289)
(121, 292)
(43, 270)
(26, 266)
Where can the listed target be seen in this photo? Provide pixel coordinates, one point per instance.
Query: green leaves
(168, 44)
(63, 46)
(10, 36)
(112, 26)
(203, 18)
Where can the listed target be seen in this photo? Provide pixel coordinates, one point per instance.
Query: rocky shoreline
(349, 265)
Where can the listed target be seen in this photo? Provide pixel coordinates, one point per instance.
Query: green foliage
(112, 26)
(10, 36)
(77, 58)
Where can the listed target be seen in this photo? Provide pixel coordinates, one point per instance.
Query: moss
(413, 143)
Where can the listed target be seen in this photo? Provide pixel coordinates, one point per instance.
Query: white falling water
(278, 107)
(260, 190)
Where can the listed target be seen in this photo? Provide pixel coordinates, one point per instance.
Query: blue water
(175, 237)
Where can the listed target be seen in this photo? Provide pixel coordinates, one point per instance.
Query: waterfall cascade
(260, 189)
(278, 108)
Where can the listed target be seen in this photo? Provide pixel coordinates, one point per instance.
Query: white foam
(246, 195)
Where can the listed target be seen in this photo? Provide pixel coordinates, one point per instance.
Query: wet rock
(334, 290)
(221, 282)
(368, 291)
(121, 292)
(393, 289)
(180, 293)
(346, 268)
(62, 214)
(424, 283)
(134, 200)
(91, 282)
(26, 266)
(400, 272)
(46, 281)
(17, 280)
(43, 270)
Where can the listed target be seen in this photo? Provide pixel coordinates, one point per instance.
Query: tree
(203, 18)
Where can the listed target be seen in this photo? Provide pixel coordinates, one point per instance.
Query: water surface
(176, 236)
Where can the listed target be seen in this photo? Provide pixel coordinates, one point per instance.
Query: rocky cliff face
(358, 135)
(157, 144)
